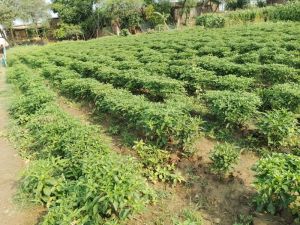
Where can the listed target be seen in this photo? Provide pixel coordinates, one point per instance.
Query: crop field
(207, 121)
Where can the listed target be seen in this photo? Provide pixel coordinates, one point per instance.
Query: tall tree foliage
(122, 13)
(33, 11)
(236, 4)
(187, 6)
(80, 13)
(157, 12)
(73, 11)
(8, 12)
(90, 15)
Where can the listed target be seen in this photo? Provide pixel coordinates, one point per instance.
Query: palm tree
(164, 18)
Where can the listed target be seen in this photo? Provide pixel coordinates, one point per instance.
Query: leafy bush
(210, 21)
(231, 83)
(222, 66)
(282, 96)
(154, 86)
(246, 15)
(261, 3)
(237, 4)
(223, 157)
(43, 181)
(270, 54)
(73, 172)
(279, 127)
(195, 77)
(125, 32)
(90, 90)
(234, 108)
(161, 123)
(289, 11)
(105, 191)
(68, 31)
(36, 99)
(156, 163)
(277, 73)
(277, 183)
(219, 65)
(249, 57)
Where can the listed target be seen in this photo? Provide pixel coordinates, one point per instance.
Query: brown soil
(10, 166)
(220, 201)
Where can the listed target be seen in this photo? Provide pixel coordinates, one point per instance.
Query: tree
(187, 5)
(78, 12)
(8, 13)
(120, 11)
(163, 17)
(68, 31)
(73, 12)
(34, 11)
(91, 15)
(236, 4)
(157, 12)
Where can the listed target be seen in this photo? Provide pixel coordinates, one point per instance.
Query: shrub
(219, 65)
(232, 83)
(73, 172)
(223, 156)
(105, 191)
(125, 32)
(210, 21)
(35, 98)
(68, 31)
(237, 4)
(247, 15)
(270, 54)
(277, 183)
(234, 108)
(195, 77)
(164, 124)
(26, 105)
(85, 169)
(279, 127)
(282, 96)
(289, 11)
(261, 3)
(278, 73)
(156, 163)
(141, 82)
(42, 181)
(248, 57)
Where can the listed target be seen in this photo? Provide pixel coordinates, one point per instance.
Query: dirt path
(10, 166)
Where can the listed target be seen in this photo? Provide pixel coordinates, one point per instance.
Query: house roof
(25, 26)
